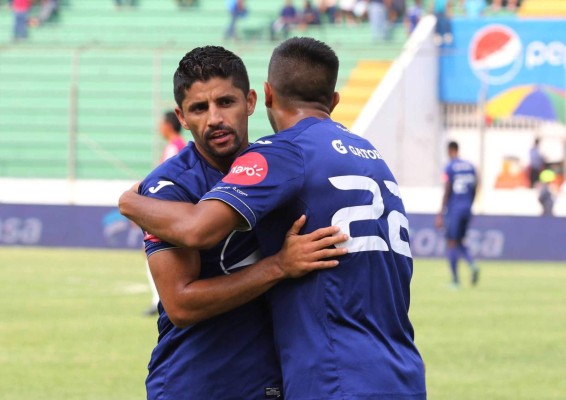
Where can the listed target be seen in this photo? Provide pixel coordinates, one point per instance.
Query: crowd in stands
(382, 15)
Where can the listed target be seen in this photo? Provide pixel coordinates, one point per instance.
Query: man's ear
(251, 101)
(335, 101)
(179, 114)
(268, 94)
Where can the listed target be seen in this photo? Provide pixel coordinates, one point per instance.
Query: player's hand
(127, 196)
(136, 187)
(439, 221)
(304, 253)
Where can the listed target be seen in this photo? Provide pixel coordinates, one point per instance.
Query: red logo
(249, 169)
(496, 54)
(151, 238)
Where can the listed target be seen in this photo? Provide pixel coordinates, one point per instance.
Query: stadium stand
(363, 80)
(82, 97)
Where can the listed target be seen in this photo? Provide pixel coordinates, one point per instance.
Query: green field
(72, 328)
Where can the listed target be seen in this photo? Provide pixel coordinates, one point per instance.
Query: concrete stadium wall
(490, 237)
(402, 117)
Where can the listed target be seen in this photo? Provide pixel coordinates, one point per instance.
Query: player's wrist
(277, 270)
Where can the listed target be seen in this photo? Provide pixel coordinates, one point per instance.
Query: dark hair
(453, 146)
(171, 118)
(205, 63)
(304, 69)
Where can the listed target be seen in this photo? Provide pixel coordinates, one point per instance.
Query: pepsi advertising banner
(509, 59)
(489, 237)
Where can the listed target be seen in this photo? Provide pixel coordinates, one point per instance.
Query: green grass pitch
(71, 327)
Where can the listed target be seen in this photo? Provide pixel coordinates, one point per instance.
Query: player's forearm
(193, 226)
(170, 221)
(207, 298)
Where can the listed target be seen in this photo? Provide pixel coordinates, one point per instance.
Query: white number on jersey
(395, 221)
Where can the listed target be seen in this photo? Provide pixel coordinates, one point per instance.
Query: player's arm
(446, 195)
(188, 300)
(195, 226)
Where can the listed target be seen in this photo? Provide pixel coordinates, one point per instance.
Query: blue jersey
(231, 356)
(342, 333)
(461, 175)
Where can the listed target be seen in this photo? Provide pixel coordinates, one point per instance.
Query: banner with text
(502, 55)
(490, 237)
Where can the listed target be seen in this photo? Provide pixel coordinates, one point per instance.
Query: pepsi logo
(249, 169)
(496, 54)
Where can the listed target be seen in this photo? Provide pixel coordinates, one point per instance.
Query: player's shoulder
(185, 160)
(180, 171)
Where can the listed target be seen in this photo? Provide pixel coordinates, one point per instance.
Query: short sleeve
(262, 179)
(162, 189)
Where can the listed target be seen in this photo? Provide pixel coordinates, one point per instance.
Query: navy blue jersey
(342, 333)
(463, 180)
(231, 356)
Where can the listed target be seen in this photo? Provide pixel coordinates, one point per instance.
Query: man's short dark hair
(171, 118)
(453, 146)
(304, 69)
(204, 63)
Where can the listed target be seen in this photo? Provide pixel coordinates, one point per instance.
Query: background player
(215, 341)
(340, 333)
(456, 212)
(170, 130)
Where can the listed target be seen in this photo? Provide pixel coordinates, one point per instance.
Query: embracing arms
(195, 226)
(188, 300)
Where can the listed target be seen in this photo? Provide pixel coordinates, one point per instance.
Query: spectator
(237, 10)
(414, 15)
(395, 12)
(546, 195)
(496, 5)
(441, 10)
(512, 5)
(346, 11)
(377, 19)
(47, 12)
(310, 15)
(328, 8)
(536, 163)
(287, 19)
(21, 9)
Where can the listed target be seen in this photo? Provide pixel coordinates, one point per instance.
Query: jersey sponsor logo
(264, 142)
(148, 237)
(249, 169)
(160, 185)
(370, 154)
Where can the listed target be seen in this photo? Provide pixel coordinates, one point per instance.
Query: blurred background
(84, 85)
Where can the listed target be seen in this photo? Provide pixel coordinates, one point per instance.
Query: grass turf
(72, 327)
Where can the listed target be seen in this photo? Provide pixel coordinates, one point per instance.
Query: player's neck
(288, 118)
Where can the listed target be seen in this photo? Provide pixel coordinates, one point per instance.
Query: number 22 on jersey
(345, 216)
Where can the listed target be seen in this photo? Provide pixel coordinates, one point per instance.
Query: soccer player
(460, 185)
(215, 340)
(342, 333)
(170, 130)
